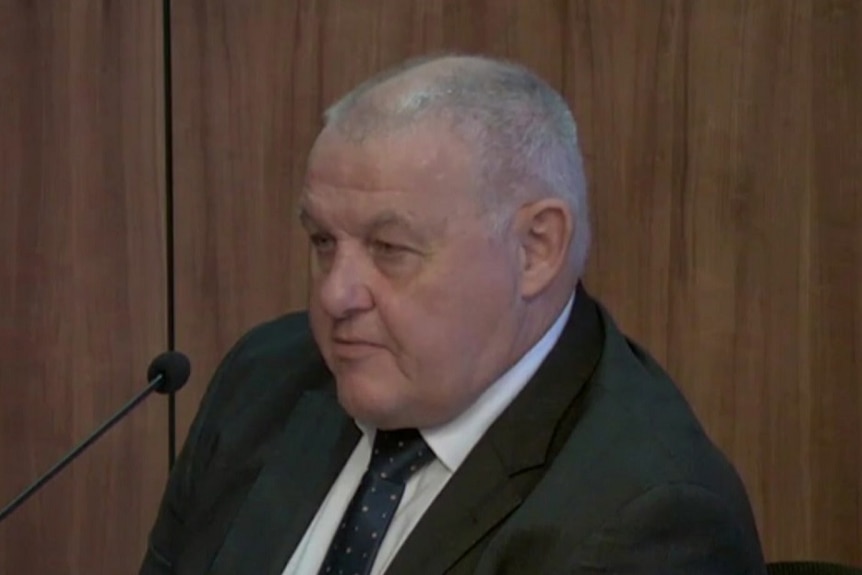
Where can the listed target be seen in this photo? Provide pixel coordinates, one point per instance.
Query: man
(454, 401)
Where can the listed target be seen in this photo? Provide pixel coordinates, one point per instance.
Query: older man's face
(414, 301)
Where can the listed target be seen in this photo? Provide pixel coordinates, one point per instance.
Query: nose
(343, 287)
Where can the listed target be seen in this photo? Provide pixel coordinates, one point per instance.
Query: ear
(544, 229)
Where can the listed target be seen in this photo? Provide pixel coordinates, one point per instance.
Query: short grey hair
(522, 129)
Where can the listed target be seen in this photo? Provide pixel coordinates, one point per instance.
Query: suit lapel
(511, 457)
(477, 497)
(306, 460)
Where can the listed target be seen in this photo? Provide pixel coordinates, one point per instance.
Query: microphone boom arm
(154, 384)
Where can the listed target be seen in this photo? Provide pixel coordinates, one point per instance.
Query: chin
(369, 402)
(380, 416)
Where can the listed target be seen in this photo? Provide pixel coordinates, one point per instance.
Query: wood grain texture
(706, 126)
(245, 106)
(722, 146)
(82, 279)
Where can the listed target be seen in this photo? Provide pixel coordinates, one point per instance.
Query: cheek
(319, 322)
(432, 330)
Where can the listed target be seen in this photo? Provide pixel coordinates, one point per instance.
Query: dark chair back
(810, 568)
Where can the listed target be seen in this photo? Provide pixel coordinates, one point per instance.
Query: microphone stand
(27, 493)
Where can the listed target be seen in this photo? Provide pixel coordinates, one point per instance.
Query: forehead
(423, 161)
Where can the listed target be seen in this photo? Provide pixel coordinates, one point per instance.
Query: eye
(386, 249)
(322, 242)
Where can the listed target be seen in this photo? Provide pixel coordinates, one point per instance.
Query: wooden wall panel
(715, 151)
(82, 279)
(245, 104)
(833, 305)
(722, 145)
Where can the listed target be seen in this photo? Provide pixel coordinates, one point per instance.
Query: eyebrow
(385, 219)
(306, 219)
(389, 218)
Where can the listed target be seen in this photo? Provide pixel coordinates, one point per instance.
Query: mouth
(352, 341)
(354, 348)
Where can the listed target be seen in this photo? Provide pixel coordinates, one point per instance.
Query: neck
(538, 317)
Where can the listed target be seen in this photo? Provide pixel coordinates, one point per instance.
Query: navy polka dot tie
(396, 456)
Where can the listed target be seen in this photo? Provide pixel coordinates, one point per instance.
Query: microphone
(167, 373)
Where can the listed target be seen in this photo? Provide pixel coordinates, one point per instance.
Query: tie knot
(398, 454)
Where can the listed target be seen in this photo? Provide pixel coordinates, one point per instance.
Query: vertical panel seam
(169, 215)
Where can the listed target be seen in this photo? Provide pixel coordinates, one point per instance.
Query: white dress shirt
(451, 444)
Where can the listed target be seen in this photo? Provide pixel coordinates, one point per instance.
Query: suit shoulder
(654, 425)
(282, 349)
(634, 434)
(662, 428)
(289, 333)
(263, 373)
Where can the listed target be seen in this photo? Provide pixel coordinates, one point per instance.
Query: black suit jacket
(598, 466)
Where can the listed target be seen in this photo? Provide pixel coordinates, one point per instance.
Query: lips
(353, 341)
(354, 348)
